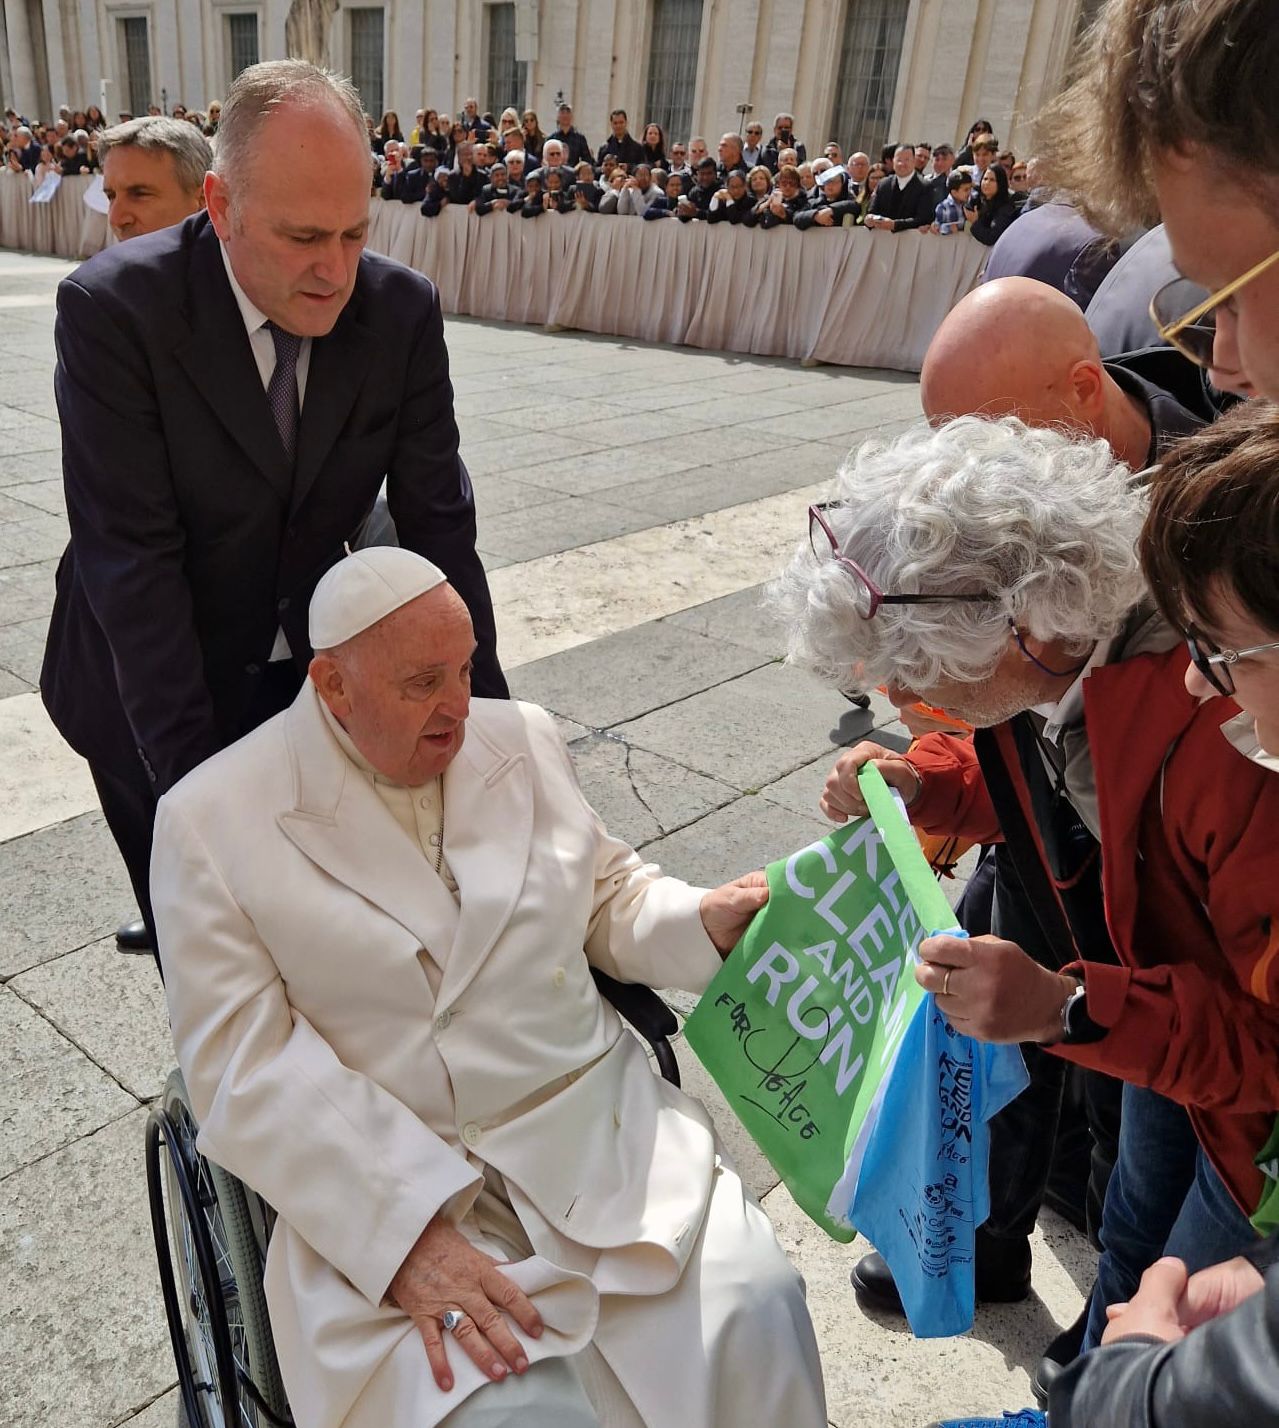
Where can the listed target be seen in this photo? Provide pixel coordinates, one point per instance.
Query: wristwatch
(1077, 1027)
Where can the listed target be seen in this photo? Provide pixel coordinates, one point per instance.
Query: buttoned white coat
(296, 919)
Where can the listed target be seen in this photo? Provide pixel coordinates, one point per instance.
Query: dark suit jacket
(625, 150)
(192, 540)
(909, 207)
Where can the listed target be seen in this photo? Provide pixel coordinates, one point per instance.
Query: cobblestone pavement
(655, 490)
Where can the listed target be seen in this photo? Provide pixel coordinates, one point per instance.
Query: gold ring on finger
(945, 982)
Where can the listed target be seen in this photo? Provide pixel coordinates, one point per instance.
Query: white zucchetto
(364, 587)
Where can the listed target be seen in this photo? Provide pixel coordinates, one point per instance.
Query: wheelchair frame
(196, 1295)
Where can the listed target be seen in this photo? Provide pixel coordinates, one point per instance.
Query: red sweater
(1190, 873)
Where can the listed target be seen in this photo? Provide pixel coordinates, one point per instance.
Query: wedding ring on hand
(945, 992)
(452, 1319)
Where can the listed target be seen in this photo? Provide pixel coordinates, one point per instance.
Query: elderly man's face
(553, 155)
(402, 688)
(696, 152)
(859, 167)
(296, 218)
(143, 192)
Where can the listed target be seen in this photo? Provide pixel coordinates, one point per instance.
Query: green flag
(801, 1026)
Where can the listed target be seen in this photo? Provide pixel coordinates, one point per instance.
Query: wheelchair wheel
(211, 1262)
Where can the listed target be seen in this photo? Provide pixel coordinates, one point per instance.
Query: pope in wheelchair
(378, 917)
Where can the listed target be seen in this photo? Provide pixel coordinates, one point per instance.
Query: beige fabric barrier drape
(843, 296)
(65, 227)
(847, 296)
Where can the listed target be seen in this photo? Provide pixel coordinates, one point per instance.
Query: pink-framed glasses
(869, 596)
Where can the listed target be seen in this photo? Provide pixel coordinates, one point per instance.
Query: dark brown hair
(1214, 519)
(1159, 74)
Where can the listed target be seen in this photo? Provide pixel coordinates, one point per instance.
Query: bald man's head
(1016, 347)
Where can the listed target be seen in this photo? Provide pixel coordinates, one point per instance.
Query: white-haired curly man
(990, 569)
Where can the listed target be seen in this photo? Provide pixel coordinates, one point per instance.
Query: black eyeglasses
(869, 596)
(1214, 664)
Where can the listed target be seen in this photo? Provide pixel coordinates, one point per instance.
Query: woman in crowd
(533, 137)
(979, 127)
(654, 146)
(994, 209)
(733, 203)
(834, 206)
(667, 205)
(760, 183)
(93, 116)
(1019, 184)
(874, 177)
(1037, 608)
(508, 122)
(389, 128)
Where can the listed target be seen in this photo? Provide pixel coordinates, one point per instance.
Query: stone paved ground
(655, 489)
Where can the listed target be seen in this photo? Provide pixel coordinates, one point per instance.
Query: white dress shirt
(262, 345)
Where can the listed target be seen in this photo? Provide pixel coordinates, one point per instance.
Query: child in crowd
(950, 211)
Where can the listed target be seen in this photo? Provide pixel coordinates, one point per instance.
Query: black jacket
(1221, 1373)
(700, 197)
(793, 207)
(771, 150)
(909, 207)
(192, 538)
(993, 217)
(625, 150)
(438, 193)
(489, 195)
(841, 207)
(466, 188)
(575, 146)
(736, 210)
(533, 205)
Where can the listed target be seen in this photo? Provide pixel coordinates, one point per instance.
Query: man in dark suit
(263, 374)
(903, 200)
(620, 144)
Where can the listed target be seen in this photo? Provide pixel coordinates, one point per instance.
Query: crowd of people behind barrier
(510, 165)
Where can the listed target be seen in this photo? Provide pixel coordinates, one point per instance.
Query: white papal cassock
(367, 1049)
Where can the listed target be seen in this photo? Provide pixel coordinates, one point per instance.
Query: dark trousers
(128, 797)
(1061, 1135)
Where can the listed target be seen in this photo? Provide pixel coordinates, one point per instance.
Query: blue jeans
(1164, 1198)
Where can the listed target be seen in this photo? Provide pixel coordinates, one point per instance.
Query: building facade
(860, 71)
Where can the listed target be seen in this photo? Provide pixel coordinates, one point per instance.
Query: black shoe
(1058, 1357)
(856, 696)
(873, 1285)
(133, 937)
(1003, 1276)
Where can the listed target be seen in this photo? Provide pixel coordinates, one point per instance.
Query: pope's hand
(842, 797)
(445, 1271)
(727, 910)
